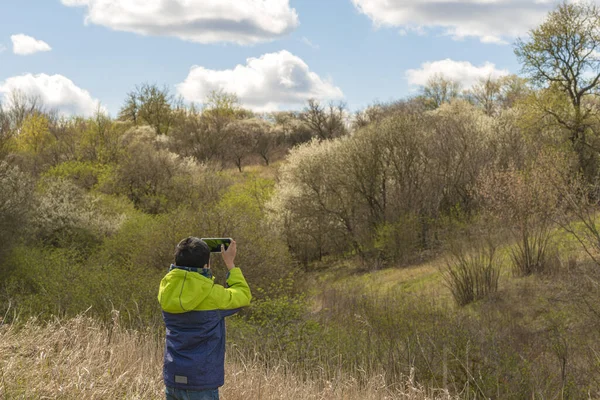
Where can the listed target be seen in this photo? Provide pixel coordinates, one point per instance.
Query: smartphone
(215, 243)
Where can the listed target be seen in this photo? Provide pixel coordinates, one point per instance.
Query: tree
(131, 110)
(35, 134)
(150, 105)
(513, 89)
(266, 141)
(486, 93)
(6, 133)
(15, 201)
(220, 108)
(21, 105)
(100, 138)
(239, 141)
(325, 122)
(526, 203)
(561, 55)
(291, 127)
(440, 90)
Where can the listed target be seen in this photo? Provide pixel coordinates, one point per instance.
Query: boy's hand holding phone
(225, 246)
(229, 254)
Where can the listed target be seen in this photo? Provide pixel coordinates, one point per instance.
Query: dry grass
(80, 358)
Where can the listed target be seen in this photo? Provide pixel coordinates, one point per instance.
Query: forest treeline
(493, 177)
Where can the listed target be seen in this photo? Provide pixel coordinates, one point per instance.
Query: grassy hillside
(340, 329)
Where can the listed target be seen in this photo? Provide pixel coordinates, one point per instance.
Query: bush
(279, 326)
(158, 181)
(399, 241)
(46, 281)
(263, 254)
(84, 174)
(49, 282)
(472, 274)
(15, 201)
(66, 216)
(526, 203)
(336, 196)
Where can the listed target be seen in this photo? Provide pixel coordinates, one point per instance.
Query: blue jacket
(194, 308)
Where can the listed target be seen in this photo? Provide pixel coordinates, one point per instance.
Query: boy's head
(192, 252)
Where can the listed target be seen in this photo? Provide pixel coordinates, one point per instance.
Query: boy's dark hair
(192, 252)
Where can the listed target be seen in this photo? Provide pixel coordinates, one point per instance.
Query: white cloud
(461, 71)
(266, 83)
(56, 92)
(492, 21)
(202, 21)
(24, 45)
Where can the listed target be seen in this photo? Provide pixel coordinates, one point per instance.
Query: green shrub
(399, 241)
(85, 174)
(45, 281)
(278, 325)
(262, 253)
(49, 282)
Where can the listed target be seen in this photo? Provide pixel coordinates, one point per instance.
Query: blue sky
(358, 51)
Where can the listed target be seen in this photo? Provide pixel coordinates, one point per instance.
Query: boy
(194, 311)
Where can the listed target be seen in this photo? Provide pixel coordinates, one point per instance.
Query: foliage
(66, 216)
(35, 135)
(101, 138)
(15, 205)
(335, 195)
(85, 174)
(561, 56)
(495, 94)
(279, 318)
(526, 201)
(149, 104)
(439, 90)
(155, 179)
(324, 122)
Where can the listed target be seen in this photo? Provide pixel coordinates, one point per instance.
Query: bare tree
(487, 94)
(292, 128)
(220, 108)
(239, 141)
(6, 132)
(131, 110)
(325, 122)
(20, 105)
(440, 90)
(513, 89)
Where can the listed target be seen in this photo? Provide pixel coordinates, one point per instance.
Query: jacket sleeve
(236, 295)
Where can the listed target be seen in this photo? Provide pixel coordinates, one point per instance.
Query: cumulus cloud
(263, 84)
(461, 71)
(202, 21)
(492, 21)
(24, 45)
(55, 91)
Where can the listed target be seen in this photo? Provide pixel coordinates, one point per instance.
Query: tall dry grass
(81, 358)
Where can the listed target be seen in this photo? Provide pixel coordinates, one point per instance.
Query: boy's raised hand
(229, 254)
